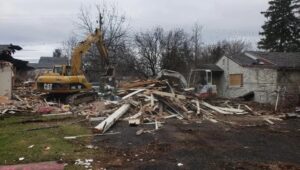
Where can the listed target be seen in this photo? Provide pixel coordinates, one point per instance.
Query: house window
(236, 80)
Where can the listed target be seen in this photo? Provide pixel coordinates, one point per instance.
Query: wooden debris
(133, 93)
(138, 84)
(58, 114)
(269, 121)
(165, 94)
(18, 97)
(215, 108)
(108, 122)
(81, 136)
(134, 122)
(97, 119)
(139, 132)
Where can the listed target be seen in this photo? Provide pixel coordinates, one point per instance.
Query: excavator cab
(202, 80)
(63, 70)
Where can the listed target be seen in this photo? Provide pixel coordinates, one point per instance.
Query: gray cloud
(35, 22)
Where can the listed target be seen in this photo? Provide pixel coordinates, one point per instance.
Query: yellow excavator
(69, 79)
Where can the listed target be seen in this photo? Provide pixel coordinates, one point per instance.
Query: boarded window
(236, 80)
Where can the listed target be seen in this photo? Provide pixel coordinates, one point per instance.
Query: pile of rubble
(152, 102)
(143, 102)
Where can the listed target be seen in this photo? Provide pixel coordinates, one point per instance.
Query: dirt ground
(202, 145)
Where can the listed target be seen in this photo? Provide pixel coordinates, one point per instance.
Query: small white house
(6, 79)
(262, 73)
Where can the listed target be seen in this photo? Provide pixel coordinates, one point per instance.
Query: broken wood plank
(171, 116)
(108, 122)
(233, 110)
(152, 100)
(18, 97)
(134, 103)
(156, 125)
(215, 108)
(57, 114)
(247, 107)
(269, 121)
(97, 119)
(137, 115)
(198, 106)
(178, 116)
(165, 94)
(80, 136)
(171, 105)
(139, 132)
(134, 122)
(133, 93)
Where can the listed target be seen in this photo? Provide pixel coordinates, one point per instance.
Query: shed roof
(276, 60)
(212, 67)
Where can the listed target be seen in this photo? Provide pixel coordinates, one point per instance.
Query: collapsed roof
(6, 52)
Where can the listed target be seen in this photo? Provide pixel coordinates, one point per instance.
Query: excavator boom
(70, 79)
(84, 46)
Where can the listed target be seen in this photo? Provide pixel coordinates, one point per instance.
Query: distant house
(47, 63)
(263, 73)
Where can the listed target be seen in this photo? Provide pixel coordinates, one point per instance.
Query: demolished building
(6, 52)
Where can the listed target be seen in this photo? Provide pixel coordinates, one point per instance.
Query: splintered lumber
(170, 105)
(96, 119)
(134, 122)
(18, 97)
(231, 110)
(215, 108)
(80, 136)
(197, 105)
(109, 121)
(137, 115)
(138, 84)
(152, 100)
(58, 114)
(165, 94)
(247, 107)
(269, 121)
(133, 93)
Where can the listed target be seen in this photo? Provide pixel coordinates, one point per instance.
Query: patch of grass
(15, 140)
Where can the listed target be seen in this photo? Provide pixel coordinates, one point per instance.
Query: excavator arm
(83, 47)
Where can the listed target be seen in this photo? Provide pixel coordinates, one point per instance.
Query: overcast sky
(39, 26)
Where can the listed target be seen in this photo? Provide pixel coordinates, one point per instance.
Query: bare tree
(212, 53)
(235, 46)
(149, 53)
(196, 40)
(69, 45)
(114, 29)
(177, 51)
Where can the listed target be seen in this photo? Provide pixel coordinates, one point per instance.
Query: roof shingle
(276, 60)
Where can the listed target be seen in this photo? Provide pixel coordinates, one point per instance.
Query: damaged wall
(6, 79)
(262, 81)
(289, 80)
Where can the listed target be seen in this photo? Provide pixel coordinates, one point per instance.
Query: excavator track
(82, 97)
